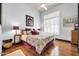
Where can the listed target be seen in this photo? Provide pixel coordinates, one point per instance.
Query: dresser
(74, 36)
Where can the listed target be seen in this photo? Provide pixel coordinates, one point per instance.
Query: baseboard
(63, 40)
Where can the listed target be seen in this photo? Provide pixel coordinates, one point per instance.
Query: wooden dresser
(74, 36)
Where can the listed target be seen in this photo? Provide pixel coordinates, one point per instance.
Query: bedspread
(38, 41)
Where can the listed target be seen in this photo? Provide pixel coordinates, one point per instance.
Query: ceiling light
(43, 6)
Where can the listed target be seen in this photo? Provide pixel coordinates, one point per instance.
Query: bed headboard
(31, 31)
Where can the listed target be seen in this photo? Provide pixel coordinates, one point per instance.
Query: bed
(38, 41)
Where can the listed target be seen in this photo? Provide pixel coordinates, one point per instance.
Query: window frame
(49, 16)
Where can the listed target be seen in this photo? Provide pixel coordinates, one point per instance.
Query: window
(51, 23)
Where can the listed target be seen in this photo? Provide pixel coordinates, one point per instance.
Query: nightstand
(17, 38)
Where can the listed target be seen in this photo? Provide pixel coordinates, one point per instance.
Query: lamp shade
(16, 27)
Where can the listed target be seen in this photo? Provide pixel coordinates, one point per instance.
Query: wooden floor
(61, 48)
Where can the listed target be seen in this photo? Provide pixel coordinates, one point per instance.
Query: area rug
(16, 53)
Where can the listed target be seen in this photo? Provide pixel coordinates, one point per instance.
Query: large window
(51, 23)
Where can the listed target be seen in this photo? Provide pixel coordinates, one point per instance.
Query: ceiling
(48, 5)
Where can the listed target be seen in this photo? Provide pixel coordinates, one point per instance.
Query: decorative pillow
(28, 32)
(24, 32)
(35, 32)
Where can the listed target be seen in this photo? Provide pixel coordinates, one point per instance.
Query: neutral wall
(0, 40)
(14, 14)
(65, 10)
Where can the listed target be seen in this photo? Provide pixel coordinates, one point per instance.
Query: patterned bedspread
(38, 41)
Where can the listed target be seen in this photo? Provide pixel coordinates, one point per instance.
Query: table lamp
(16, 28)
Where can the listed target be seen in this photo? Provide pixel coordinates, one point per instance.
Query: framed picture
(69, 21)
(29, 20)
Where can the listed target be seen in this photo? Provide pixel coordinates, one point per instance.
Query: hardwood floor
(61, 48)
(66, 48)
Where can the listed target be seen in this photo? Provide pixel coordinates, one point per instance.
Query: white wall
(65, 10)
(0, 39)
(14, 14)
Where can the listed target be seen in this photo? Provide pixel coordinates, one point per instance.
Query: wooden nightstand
(74, 36)
(17, 38)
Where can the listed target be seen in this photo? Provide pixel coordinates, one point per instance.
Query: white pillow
(24, 32)
(23, 37)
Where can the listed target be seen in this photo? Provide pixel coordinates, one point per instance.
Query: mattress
(38, 41)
